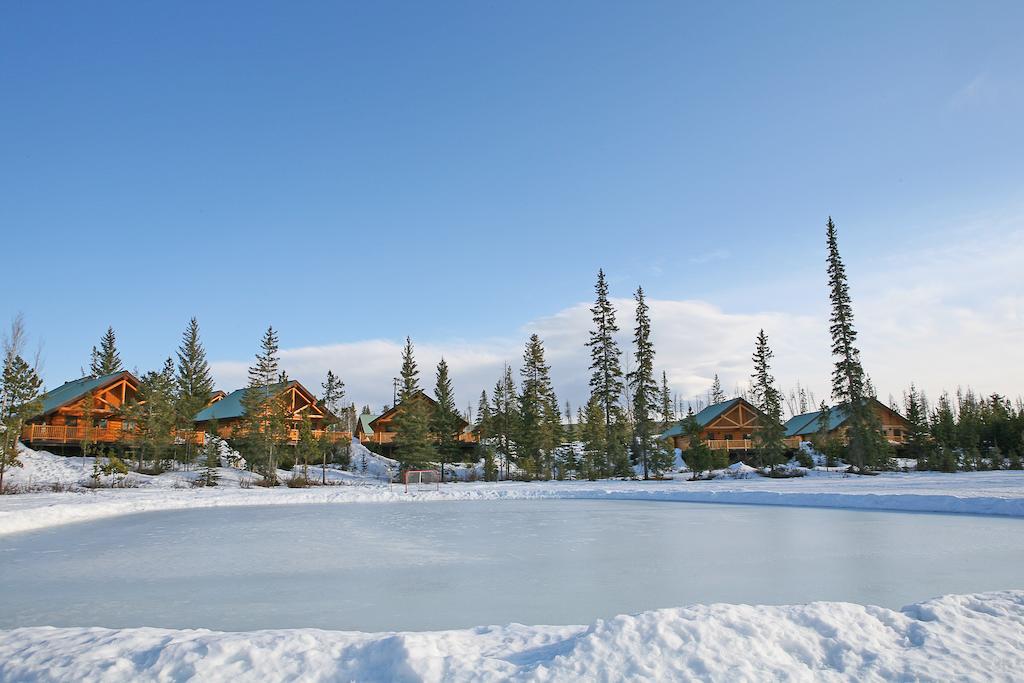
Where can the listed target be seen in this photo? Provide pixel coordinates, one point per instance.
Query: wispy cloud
(941, 317)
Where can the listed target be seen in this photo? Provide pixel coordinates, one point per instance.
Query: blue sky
(352, 173)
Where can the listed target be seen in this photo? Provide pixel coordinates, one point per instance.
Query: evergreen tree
(445, 421)
(943, 426)
(211, 455)
(415, 448)
(20, 388)
(333, 395)
(265, 412)
(154, 416)
(606, 378)
(697, 456)
(505, 418)
(106, 360)
(824, 440)
(668, 415)
(483, 417)
(644, 388)
(717, 395)
(770, 438)
(194, 382)
(917, 441)
(540, 423)
(307, 449)
(866, 447)
(592, 428)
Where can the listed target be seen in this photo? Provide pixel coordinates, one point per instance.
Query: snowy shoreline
(975, 637)
(982, 493)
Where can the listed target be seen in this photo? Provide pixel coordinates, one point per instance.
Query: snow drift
(976, 637)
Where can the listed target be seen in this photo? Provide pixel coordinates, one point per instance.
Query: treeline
(964, 432)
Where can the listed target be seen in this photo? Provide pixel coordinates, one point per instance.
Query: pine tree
(211, 453)
(644, 388)
(483, 417)
(334, 394)
(770, 438)
(505, 418)
(717, 395)
(107, 360)
(415, 448)
(20, 388)
(194, 382)
(540, 423)
(307, 449)
(154, 416)
(592, 429)
(917, 441)
(266, 414)
(697, 456)
(866, 447)
(445, 421)
(606, 378)
(668, 415)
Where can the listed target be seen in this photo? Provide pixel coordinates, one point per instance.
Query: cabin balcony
(332, 437)
(49, 435)
(744, 444)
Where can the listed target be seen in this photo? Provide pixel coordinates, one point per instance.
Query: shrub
(298, 482)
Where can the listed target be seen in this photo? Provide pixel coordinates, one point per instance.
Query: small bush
(298, 482)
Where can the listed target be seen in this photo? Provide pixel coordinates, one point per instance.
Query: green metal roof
(69, 392)
(231, 405)
(808, 422)
(703, 417)
(364, 422)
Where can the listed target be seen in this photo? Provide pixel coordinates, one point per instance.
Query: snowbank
(976, 637)
(989, 493)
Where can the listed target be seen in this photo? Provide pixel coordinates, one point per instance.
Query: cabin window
(728, 437)
(71, 422)
(102, 424)
(747, 437)
(711, 436)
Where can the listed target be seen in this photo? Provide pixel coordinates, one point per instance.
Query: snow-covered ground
(976, 637)
(991, 493)
(968, 637)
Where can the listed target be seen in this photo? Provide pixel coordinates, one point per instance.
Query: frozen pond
(415, 566)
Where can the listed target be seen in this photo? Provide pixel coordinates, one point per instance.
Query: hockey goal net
(422, 480)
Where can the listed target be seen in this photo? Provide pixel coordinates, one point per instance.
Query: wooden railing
(77, 433)
(745, 444)
(389, 437)
(333, 437)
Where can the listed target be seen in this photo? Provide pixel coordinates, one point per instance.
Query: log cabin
(803, 427)
(67, 420)
(729, 425)
(380, 430)
(229, 413)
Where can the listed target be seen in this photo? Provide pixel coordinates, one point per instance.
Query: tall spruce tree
(333, 395)
(866, 447)
(644, 388)
(445, 421)
(918, 443)
(266, 414)
(106, 360)
(415, 447)
(194, 382)
(606, 384)
(505, 419)
(666, 409)
(698, 456)
(769, 440)
(540, 422)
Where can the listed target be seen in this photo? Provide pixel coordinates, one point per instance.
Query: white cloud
(940, 317)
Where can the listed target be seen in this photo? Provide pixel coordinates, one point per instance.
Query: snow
(977, 637)
(988, 493)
